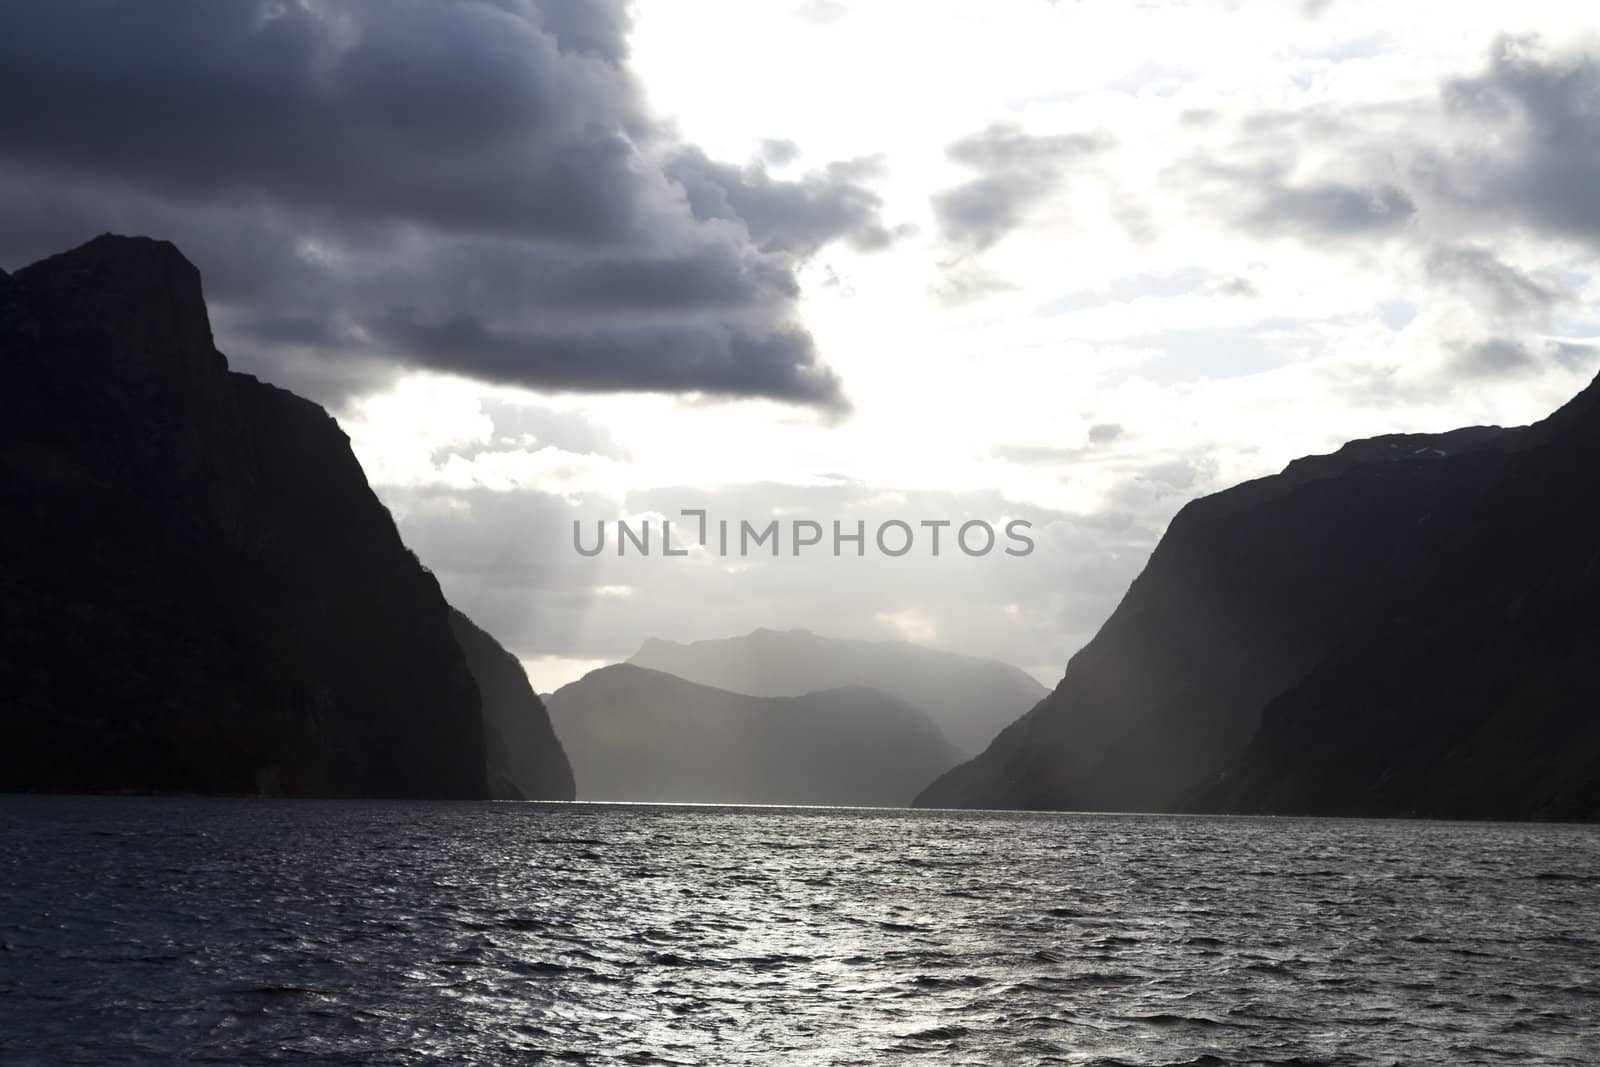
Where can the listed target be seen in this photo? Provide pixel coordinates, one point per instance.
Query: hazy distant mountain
(969, 699)
(638, 734)
(1415, 613)
(525, 760)
(198, 590)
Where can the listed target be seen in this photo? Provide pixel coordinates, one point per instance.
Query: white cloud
(1258, 267)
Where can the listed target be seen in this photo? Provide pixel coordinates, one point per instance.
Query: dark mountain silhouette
(199, 591)
(525, 760)
(1415, 604)
(969, 699)
(638, 734)
(1476, 693)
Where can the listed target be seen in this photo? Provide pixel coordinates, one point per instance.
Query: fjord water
(254, 931)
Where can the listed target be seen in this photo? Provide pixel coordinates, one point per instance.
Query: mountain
(525, 760)
(1408, 612)
(969, 699)
(643, 735)
(1474, 694)
(199, 591)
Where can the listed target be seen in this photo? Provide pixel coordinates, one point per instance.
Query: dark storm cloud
(483, 171)
(706, 278)
(1544, 113)
(797, 217)
(713, 359)
(487, 275)
(1015, 170)
(461, 116)
(597, 27)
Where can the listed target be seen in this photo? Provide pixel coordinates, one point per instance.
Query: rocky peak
(200, 591)
(140, 292)
(109, 351)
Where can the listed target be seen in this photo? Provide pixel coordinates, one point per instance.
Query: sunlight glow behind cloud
(1087, 260)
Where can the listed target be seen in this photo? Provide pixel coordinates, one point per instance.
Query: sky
(1073, 263)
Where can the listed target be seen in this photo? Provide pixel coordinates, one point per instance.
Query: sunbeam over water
(217, 931)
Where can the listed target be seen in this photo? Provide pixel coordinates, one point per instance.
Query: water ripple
(258, 932)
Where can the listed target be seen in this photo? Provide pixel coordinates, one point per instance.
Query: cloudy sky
(1073, 262)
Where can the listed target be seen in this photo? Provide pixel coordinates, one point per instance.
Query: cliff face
(642, 735)
(1477, 692)
(199, 590)
(969, 699)
(1247, 592)
(1404, 627)
(525, 760)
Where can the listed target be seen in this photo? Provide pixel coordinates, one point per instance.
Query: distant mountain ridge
(199, 591)
(1408, 612)
(636, 734)
(968, 698)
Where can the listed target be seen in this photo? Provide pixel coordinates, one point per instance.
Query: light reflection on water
(167, 930)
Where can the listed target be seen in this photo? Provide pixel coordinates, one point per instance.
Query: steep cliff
(1477, 692)
(1247, 592)
(525, 760)
(199, 591)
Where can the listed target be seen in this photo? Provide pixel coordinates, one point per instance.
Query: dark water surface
(165, 931)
